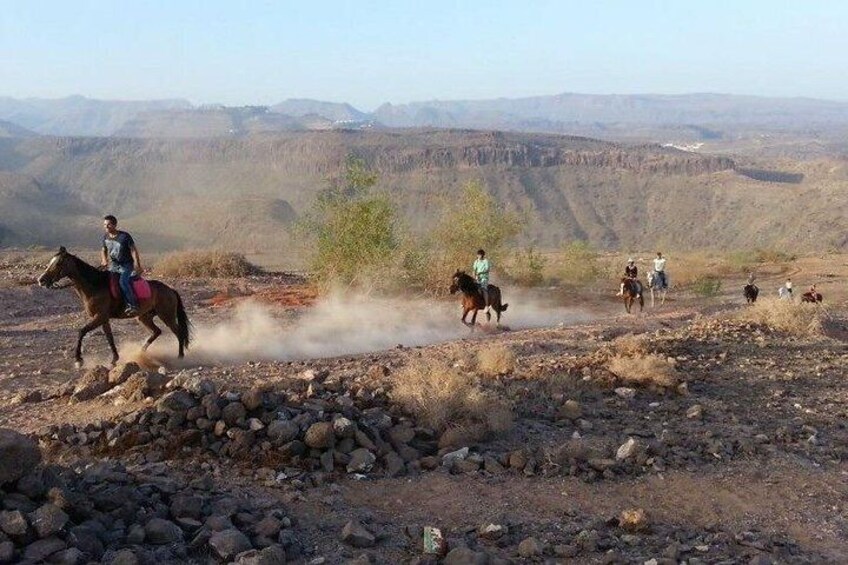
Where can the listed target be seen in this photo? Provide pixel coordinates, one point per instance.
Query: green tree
(472, 221)
(355, 233)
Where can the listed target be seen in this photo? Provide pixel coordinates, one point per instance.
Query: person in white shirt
(659, 270)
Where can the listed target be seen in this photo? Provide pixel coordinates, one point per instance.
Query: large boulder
(92, 384)
(320, 435)
(119, 374)
(229, 543)
(159, 531)
(18, 455)
(282, 431)
(356, 535)
(143, 384)
(48, 520)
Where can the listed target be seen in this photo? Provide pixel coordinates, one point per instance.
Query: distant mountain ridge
(644, 116)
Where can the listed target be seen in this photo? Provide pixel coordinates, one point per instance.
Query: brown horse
(472, 298)
(630, 290)
(812, 297)
(92, 286)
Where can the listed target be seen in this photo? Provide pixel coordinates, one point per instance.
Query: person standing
(120, 255)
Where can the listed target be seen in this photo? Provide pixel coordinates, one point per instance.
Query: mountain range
(658, 118)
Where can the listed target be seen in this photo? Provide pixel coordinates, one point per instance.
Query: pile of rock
(107, 512)
(325, 431)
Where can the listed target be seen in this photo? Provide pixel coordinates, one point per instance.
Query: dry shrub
(443, 398)
(645, 370)
(631, 345)
(784, 315)
(496, 360)
(202, 264)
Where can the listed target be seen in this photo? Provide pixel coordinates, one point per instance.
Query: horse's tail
(504, 307)
(183, 323)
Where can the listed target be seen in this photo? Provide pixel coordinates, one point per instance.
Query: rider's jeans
(125, 283)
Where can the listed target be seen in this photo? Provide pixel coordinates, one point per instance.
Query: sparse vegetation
(707, 286)
(496, 360)
(443, 398)
(527, 268)
(355, 233)
(631, 345)
(785, 316)
(205, 264)
(649, 370)
(578, 264)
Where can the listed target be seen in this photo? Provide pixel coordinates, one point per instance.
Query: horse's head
(59, 267)
(454, 287)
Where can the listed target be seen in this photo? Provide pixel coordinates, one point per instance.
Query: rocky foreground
(673, 437)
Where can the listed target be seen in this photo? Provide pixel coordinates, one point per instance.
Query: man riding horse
(631, 272)
(481, 268)
(120, 255)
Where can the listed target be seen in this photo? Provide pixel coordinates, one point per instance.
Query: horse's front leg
(474, 319)
(107, 329)
(465, 312)
(95, 323)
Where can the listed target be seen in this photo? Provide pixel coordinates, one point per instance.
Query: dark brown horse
(812, 297)
(472, 298)
(751, 292)
(92, 286)
(631, 291)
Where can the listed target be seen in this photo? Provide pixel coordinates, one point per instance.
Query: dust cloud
(338, 326)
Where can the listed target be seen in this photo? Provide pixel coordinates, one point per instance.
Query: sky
(369, 52)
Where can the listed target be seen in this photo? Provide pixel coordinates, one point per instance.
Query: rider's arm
(104, 258)
(137, 259)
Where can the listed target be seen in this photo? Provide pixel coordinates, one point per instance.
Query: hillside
(77, 115)
(233, 193)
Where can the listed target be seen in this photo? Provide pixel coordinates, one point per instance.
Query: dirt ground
(762, 471)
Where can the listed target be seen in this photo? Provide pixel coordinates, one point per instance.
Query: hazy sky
(368, 52)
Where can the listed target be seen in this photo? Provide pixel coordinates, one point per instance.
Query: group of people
(631, 272)
(785, 291)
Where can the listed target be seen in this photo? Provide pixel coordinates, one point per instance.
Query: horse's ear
(62, 250)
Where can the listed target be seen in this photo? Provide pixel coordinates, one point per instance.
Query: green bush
(578, 264)
(355, 234)
(527, 268)
(706, 286)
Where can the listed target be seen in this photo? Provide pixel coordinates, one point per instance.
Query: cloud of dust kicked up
(339, 326)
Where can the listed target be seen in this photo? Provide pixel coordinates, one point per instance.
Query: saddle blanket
(140, 286)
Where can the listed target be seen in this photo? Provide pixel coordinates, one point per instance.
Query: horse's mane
(89, 274)
(466, 282)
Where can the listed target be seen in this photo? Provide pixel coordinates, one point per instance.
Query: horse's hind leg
(474, 320)
(147, 321)
(170, 320)
(107, 329)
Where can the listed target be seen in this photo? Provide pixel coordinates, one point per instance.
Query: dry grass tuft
(785, 316)
(645, 370)
(443, 398)
(631, 345)
(496, 360)
(201, 264)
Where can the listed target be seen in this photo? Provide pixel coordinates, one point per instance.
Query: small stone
(626, 392)
(234, 413)
(628, 450)
(492, 531)
(361, 461)
(571, 410)
(271, 555)
(344, 428)
(7, 552)
(48, 520)
(449, 459)
(18, 455)
(159, 531)
(695, 412)
(255, 424)
(530, 547)
(13, 523)
(320, 435)
(43, 548)
(70, 556)
(356, 535)
(465, 556)
(253, 398)
(634, 520)
(93, 383)
(282, 431)
(229, 543)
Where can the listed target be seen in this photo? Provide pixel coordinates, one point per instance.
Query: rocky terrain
(690, 434)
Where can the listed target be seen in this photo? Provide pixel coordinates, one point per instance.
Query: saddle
(140, 286)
